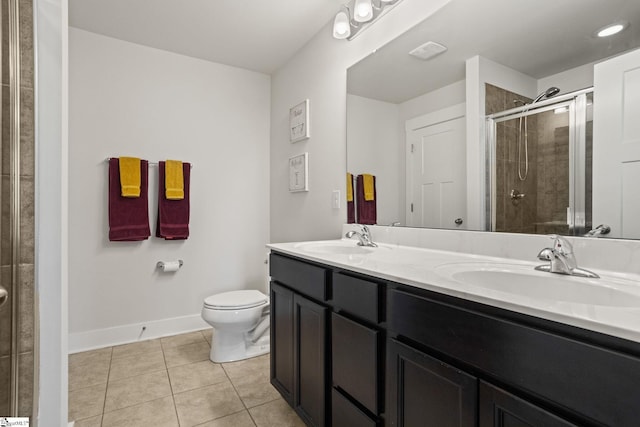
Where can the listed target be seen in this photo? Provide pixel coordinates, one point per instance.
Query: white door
(437, 165)
(616, 145)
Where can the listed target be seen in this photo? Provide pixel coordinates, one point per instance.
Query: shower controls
(516, 194)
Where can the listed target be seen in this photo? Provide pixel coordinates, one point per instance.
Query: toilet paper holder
(161, 264)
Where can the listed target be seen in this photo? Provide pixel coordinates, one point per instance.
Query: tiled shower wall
(515, 216)
(26, 313)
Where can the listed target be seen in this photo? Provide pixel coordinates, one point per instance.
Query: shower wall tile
(25, 385)
(5, 212)
(27, 220)
(5, 42)
(5, 130)
(25, 309)
(494, 99)
(26, 43)
(27, 233)
(27, 133)
(5, 381)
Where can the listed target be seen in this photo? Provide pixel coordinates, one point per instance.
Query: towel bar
(150, 163)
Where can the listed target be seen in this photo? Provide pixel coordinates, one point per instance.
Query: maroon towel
(366, 209)
(128, 217)
(173, 215)
(351, 208)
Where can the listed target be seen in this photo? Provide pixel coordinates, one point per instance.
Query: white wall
(127, 99)
(375, 147)
(319, 72)
(570, 80)
(438, 99)
(51, 94)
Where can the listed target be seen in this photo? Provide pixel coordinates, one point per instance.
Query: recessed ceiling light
(612, 29)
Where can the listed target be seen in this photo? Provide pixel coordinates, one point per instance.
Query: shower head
(551, 92)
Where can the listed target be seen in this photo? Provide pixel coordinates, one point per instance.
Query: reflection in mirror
(419, 125)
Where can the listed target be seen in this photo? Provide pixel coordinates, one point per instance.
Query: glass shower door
(540, 167)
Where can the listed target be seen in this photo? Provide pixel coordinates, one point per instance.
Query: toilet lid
(236, 300)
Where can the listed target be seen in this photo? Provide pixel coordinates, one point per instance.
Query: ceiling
(251, 34)
(538, 38)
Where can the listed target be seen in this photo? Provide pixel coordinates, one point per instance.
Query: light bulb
(341, 27)
(363, 11)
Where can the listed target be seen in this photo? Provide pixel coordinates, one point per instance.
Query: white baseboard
(99, 338)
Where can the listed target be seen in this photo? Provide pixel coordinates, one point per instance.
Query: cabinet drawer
(552, 367)
(356, 358)
(501, 408)
(308, 279)
(346, 414)
(356, 296)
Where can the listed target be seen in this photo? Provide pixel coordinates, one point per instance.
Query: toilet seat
(235, 300)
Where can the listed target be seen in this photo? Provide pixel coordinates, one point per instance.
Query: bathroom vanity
(365, 340)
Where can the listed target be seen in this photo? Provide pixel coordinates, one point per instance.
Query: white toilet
(240, 321)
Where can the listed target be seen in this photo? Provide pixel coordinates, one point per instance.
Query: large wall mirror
(501, 119)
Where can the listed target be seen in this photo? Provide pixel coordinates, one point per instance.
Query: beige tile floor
(171, 382)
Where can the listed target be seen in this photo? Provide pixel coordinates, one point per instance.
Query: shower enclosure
(539, 162)
(18, 350)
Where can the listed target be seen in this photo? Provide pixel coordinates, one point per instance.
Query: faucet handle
(561, 245)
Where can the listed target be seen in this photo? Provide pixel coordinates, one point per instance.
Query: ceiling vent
(428, 50)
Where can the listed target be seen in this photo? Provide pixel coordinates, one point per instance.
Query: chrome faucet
(364, 237)
(600, 230)
(561, 259)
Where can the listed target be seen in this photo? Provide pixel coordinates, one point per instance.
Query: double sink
(485, 277)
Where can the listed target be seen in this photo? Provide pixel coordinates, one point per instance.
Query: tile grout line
(173, 396)
(104, 404)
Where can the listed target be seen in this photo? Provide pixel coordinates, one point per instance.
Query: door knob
(458, 221)
(4, 295)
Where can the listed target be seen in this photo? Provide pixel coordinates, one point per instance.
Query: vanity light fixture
(341, 25)
(357, 14)
(363, 11)
(612, 29)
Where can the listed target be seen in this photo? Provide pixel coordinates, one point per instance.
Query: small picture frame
(299, 122)
(299, 173)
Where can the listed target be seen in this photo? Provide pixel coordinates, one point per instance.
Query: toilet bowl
(240, 321)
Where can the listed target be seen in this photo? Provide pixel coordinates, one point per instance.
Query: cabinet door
(310, 355)
(282, 340)
(355, 356)
(499, 408)
(424, 391)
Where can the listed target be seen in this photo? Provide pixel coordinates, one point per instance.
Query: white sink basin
(523, 280)
(337, 247)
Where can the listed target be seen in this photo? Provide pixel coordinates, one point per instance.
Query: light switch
(335, 199)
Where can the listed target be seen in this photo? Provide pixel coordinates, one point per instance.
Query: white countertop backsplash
(417, 252)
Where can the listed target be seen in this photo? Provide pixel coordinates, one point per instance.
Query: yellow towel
(368, 187)
(129, 176)
(173, 180)
(349, 187)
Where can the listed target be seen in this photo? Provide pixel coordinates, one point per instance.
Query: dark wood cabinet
(499, 408)
(310, 360)
(356, 361)
(352, 350)
(299, 338)
(282, 340)
(423, 391)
